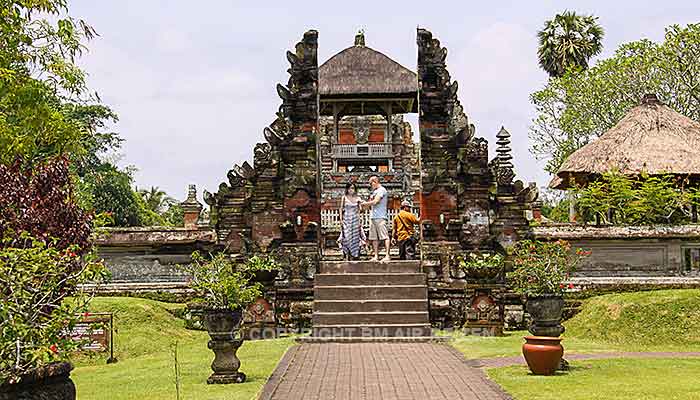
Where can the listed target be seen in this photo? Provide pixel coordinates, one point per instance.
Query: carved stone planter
(546, 312)
(543, 354)
(51, 382)
(222, 325)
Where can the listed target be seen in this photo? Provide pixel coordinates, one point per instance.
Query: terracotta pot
(546, 312)
(543, 354)
(51, 382)
(222, 326)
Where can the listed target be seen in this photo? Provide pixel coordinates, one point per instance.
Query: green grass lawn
(667, 320)
(144, 347)
(620, 379)
(663, 320)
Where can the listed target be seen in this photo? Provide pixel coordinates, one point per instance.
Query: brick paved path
(378, 371)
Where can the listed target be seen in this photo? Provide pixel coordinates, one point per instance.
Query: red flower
(87, 314)
(561, 286)
(571, 285)
(53, 348)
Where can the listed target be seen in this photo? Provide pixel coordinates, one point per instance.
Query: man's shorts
(378, 229)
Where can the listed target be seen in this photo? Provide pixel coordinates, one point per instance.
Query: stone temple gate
(342, 122)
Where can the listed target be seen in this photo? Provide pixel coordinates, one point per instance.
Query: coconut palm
(569, 40)
(156, 200)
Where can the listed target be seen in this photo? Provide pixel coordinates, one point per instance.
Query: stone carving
(360, 128)
(262, 156)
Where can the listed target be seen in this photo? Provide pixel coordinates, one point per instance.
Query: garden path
(378, 371)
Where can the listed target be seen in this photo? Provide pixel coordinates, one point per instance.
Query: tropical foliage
(482, 265)
(542, 267)
(567, 42)
(36, 278)
(223, 284)
(618, 199)
(582, 104)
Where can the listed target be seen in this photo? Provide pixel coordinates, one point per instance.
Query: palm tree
(567, 41)
(156, 200)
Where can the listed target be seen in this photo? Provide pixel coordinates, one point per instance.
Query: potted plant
(540, 271)
(225, 292)
(482, 267)
(35, 320)
(264, 267)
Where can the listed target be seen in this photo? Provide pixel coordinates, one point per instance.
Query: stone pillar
(191, 208)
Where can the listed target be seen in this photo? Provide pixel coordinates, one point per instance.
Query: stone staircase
(366, 300)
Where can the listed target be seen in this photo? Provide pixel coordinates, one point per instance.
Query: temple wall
(150, 254)
(628, 251)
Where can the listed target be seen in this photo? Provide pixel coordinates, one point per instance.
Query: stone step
(370, 305)
(370, 278)
(380, 317)
(340, 267)
(371, 292)
(365, 330)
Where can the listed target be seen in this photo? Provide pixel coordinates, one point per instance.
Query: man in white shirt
(378, 218)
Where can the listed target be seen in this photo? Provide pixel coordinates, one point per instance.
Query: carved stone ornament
(262, 156)
(360, 128)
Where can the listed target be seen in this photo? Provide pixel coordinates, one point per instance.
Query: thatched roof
(650, 138)
(360, 70)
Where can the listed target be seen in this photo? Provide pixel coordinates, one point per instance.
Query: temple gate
(339, 124)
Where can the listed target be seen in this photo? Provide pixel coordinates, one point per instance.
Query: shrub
(541, 268)
(220, 284)
(34, 318)
(482, 265)
(39, 200)
(619, 199)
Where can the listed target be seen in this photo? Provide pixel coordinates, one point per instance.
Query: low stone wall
(629, 251)
(151, 254)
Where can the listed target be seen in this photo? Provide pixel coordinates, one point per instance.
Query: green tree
(38, 75)
(583, 104)
(156, 200)
(568, 41)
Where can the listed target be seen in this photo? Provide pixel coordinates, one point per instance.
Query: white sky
(195, 85)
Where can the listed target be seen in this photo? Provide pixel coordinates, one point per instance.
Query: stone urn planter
(51, 382)
(546, 312)
(222, 326)
(265, 276)
(543, 354)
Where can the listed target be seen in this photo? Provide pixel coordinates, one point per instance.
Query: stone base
(224, 379)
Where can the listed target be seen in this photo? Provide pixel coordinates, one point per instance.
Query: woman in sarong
(352, 236)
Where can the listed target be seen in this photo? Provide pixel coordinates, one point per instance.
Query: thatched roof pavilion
(362, 81)
(651, 138)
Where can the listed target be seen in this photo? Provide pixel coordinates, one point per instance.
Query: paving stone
(405, 371)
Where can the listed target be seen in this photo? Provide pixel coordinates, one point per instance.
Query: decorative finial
(360, 38)
(504, 166)
(191, 200)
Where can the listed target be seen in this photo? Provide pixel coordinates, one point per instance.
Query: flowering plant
(541, 268)
(34, 318)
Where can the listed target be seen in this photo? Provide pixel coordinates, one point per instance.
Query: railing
(369, 150)
(330, 219)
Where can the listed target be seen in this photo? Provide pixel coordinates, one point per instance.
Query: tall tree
(568, 41)
(582, 105)
(156, 199)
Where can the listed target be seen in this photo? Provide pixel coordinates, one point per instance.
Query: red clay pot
(543, 354)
